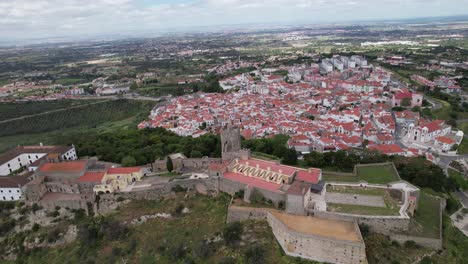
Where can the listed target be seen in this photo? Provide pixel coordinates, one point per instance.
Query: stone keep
(230, 143)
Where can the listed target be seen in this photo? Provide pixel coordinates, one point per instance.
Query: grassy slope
(127, 121)
(426, 221)
(155, 238)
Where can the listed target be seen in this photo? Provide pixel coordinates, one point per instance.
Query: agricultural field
(86, 116)
(107, 116)
(20, 109)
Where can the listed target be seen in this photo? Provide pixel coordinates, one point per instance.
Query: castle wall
(355, 199)
(275, 197)
(380, 224)
(188, 164)
(295, 204)
(315, 247)
(238, 213)
(230, 187)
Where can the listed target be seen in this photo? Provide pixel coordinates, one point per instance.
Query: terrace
(363, 200)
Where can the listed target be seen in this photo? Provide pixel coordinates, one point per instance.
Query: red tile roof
(264, 165)
(251, 181)
(310, 176)
(123, 170)
(69, 166)
(92, 177)
(387, 149)
(446, 140)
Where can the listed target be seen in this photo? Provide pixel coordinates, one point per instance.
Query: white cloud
(42, 18)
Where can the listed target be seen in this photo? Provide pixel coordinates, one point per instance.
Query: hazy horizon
(71, 19)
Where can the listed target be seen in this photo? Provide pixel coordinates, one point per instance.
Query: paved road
(435, 104)
(128, 97)
(463, 197)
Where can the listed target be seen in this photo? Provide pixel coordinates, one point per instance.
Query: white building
(10, 188)
(326, 66)
(31, 156)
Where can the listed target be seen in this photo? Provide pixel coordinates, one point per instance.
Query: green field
(356, 190)
(458, 178)
(70, 81)
(55, 129)
(15, 110)
(426, 221)
(179, 239)
(390, 209)
(86, 116)
(378, 174)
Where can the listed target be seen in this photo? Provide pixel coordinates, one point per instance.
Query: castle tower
(230, 143)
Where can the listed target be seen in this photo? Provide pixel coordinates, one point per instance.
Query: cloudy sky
(21, 19)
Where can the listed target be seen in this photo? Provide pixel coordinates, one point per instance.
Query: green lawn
(458, 178)
(363, 210)
(356, 190)
(426, 220)
(377, 174)
(442, 113)
(463, 148)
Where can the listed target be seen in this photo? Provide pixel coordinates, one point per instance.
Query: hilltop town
(320, 144)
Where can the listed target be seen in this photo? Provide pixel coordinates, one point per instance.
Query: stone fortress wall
(318, 248)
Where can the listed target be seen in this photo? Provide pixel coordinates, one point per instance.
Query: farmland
(87, 116)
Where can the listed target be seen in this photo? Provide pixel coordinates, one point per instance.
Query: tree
(134, 86)
(416, 109)
(169, 164)
(128, 161)
(406, 102)
(196, 154)
(290, 157)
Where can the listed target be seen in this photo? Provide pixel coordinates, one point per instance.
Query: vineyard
(14, 110)
(86, 116)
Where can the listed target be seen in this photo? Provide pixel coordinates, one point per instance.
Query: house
(390, 149)
(445, 143)
(11, 187)
(117, 179)
(31, 156)
(413, 99)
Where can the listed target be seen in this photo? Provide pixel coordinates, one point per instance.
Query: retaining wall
(385, 225)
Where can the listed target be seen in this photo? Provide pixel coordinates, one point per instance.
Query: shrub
(364, 229)
(35, 227)
(227, 260)
(178, 210)
(114, 230)
(232, 233)
(255, 254)
(239, 194)
(179, 189)
(79, 214)
(410, 244)
(177, 252)
(120, 199)
(204, 250)
(281, 205)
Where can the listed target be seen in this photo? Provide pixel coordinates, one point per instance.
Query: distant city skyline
(25, 19)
